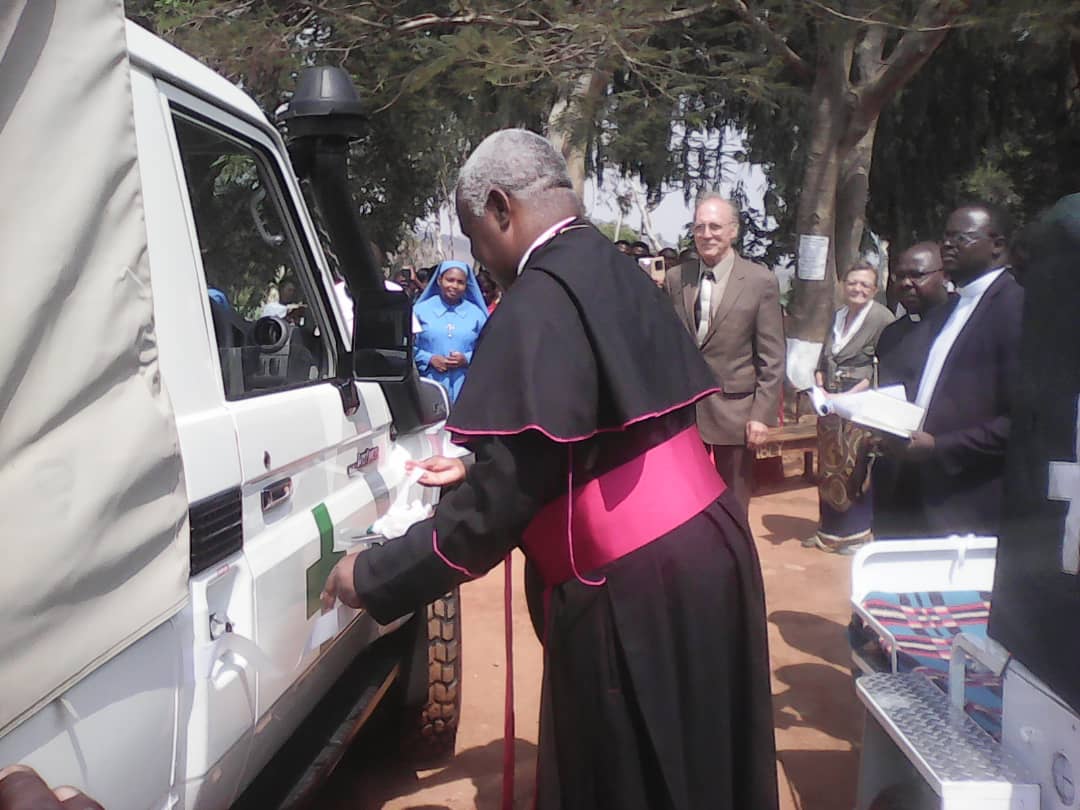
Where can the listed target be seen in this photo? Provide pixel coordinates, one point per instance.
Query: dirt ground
(816, 713)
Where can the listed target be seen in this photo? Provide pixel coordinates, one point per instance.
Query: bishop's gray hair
(516, 161)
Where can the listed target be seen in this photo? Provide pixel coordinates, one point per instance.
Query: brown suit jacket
(744, 347)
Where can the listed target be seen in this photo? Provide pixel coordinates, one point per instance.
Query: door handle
(276, 493)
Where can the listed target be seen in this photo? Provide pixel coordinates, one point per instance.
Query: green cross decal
(320, 570)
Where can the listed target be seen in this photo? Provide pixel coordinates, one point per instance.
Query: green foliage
(990, 114)
(995, 116)
(438, 77)
(625, 231)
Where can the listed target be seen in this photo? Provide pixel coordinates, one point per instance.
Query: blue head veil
(472, 287)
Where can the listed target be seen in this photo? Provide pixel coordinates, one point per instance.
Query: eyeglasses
(917, 276)
(711, 227)
(961, 238)
(860, 285)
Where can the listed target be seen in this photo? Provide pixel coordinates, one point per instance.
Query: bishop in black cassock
(579, 411)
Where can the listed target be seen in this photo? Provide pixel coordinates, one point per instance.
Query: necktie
(708, 274)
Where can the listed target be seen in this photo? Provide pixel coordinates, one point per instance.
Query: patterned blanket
(923, 626)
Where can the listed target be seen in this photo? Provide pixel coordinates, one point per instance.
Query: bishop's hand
(22, 789)
(439, 471)
(341, 585)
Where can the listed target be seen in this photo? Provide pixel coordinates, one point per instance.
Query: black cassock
(656, 682)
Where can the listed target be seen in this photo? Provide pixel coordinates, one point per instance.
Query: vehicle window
(267, 321)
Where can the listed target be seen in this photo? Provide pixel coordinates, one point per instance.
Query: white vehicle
(182, 464)
(1001, 731)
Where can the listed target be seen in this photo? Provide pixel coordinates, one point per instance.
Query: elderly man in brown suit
(732, 308)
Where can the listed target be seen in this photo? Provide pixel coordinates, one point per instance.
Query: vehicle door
(310, 470)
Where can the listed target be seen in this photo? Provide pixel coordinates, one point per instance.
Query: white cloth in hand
(402, 514)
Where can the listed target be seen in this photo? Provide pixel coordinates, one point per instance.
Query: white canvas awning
(93, 516)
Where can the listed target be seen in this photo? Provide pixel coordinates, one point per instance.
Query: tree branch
(776, 43)
(931, 25)
(870, 21)
(422, 22)
(677, 15)
(868, 53)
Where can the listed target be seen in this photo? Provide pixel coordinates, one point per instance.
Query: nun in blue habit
(451, 311)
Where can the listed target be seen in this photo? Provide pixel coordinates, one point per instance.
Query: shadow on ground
(817, 635)
(825, 696)
(822, 780)
(368, 778)
(815, 698)
(780, 529)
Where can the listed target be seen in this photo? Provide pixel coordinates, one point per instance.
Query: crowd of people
(949, 338)
(554, 421)
(927, 329)
(945, 328)
(650, 605)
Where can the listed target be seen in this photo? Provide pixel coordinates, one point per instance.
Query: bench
(801, 435)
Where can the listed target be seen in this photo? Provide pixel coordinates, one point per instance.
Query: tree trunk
(812, 300)
(571, 120)
(851, 199)
(647, 229)
(853, 81)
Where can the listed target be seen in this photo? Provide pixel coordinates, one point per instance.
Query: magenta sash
(624, 509)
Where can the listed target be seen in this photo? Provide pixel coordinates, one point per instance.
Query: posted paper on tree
(813, 256)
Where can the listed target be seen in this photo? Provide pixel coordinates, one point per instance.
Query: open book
(884, 409)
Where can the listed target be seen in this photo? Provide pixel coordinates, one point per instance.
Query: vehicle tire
(429, 731)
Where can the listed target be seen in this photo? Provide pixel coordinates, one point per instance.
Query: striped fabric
(924, 625)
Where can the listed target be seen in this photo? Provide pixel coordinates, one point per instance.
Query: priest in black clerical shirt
(919, 283)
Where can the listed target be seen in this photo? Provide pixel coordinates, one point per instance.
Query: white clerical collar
(543, 238)
(976, 288)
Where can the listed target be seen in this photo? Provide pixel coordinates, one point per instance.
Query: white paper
(802, 360)
(325, 627)
(894, 391)
(401, 501)
(813, 256)
(886, 409)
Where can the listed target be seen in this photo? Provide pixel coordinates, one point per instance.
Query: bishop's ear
(498, 204)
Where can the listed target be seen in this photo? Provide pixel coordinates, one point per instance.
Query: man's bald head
(513, 187)
(716, 227)
(929, 251)
(918, 279)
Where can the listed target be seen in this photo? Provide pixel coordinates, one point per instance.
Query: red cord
(508, 708)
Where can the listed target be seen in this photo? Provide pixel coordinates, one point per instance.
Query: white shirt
(707, 288)
(546, 236)
(273, 309)
(840, 337)
(970, 296)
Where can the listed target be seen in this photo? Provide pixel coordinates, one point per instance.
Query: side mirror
(382, 336)
(434, 402)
